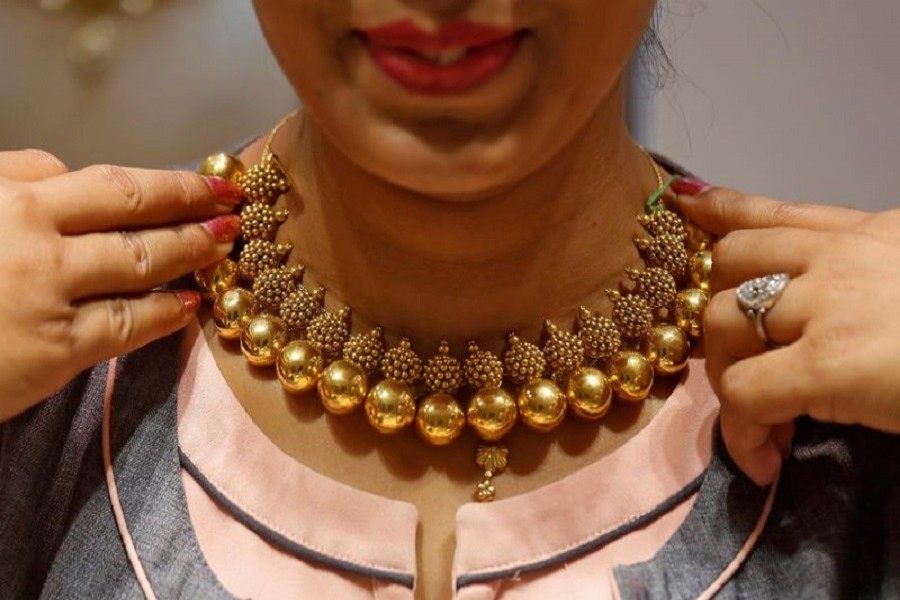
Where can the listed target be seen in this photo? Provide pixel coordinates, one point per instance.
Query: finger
(774, 387)
(748, 253)
(721, 210)
(728, 330)
(106, 198)
(110, 327)
(127, 262)
(757, 450)
(30, 165)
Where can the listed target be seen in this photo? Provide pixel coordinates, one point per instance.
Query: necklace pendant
(493, 460)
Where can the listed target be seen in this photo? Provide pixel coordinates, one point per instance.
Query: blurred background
(795, 99)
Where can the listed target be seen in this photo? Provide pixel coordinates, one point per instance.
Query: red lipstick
(461, 55)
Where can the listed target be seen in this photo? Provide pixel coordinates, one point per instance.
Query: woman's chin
(441, 160)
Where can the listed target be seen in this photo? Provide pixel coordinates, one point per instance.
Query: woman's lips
(458, 57)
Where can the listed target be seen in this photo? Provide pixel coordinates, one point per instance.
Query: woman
(450, 181)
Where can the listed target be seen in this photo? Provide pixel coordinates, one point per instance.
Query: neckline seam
(594, 543)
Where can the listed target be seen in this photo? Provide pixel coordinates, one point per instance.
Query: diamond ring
(758, 296)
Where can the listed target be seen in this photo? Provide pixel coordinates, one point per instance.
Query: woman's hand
(80, 253)
(837, 320)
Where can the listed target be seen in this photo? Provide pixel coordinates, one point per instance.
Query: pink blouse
(331, 540)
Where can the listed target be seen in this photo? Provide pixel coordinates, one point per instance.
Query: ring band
(757, 296)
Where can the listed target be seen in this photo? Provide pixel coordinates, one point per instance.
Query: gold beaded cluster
(283, 324)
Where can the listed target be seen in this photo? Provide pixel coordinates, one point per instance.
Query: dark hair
(651, 57)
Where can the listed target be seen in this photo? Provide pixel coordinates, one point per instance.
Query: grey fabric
(832, 532)
(58, 537)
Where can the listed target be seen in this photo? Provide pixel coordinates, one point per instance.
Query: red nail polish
(190, 300)
(228, 192)
(690, 186)
(225, 228)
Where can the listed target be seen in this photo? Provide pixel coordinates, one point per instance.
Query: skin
(417, 211)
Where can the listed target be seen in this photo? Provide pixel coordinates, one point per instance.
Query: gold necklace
(282, 323)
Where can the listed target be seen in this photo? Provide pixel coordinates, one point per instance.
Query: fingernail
(225, 228)
(190, 300)
(690, 186)
(227, 192)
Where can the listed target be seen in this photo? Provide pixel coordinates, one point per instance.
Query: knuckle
(195, 245)
(733, 388)
(47, 160)
(19, 203)
(120, 321)
(136, 248)
(184, 188)
(789, 212)
(125, 183)
(715, 317)
(728, 246)
(824, 343)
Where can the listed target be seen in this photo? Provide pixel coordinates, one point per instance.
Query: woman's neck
(457, 270)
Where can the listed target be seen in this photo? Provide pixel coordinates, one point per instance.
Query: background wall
(189, 78)
(793, 99)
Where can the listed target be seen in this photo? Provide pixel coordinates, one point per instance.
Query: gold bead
(260, 221)
(329, 332)
(491, 413)
(443, 373)
(666, 252)
(600, 335)
(697, 239)
(263, 338)
(482, 368)
(655, 285)
(485, 490)
(266, 180)
(493, 459)
(259, 255)
(390, 406)
(563, 350)
(223, 165)
(272, 286)
(401, 363)
(542, 404)
(668, 348)
(439, 419)
(522, 361)
(663, 222)
(231, 312)
(632, 376)
(701, 269)
(365, 349)
(215, 279)
(631, 314)
(589, 393)
(299, 366)
(690, 305)
(301, 306)
(342, 387)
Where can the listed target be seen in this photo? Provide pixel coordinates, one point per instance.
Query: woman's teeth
(445, 57)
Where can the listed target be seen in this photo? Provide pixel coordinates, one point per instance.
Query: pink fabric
(315, 511)
(318, 512)
(113, 490)
(741, 557)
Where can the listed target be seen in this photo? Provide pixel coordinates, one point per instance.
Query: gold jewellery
(281, 323)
